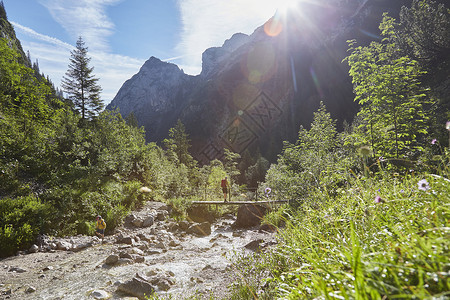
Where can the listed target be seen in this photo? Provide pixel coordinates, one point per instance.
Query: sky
(122, 34)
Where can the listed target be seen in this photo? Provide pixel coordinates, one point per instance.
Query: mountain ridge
(256, 90)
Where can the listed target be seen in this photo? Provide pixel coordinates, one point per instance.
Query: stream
(186, 264)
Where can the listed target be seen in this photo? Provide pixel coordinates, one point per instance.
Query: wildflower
(381, 158)
(402, 191)
(433, 141)
(378, 199)
(267, 191)
(423, 185)
(447, 125)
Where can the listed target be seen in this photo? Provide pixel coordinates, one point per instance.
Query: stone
(63, 245)
(137, 223)
(255, 245)
(267, 228)
(199, 214)
(163, 283)
(138, 259)
(125, 261)
(125, 255)
(200, 229)
(148, 221)
(33, 249)
(127, 240)
(48, 268)
(100, 294)
(249, 215)
(136, 287)
(30, 290)
(17, 270)
(112, 259)
(184, 225)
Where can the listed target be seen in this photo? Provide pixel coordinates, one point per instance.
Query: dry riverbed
(166, 257)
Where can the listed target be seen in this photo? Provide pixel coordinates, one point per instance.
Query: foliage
(392, 100)
(178, 145)
(81, 85)
(319, 159)
(20, 220)
(385, 237)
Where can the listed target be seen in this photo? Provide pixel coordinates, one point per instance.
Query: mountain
(256, 90)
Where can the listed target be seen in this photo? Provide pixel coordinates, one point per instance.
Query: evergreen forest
(368, 216)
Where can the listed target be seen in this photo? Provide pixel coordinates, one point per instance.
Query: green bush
(21, 219)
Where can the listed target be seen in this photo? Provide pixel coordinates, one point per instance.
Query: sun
(274, 26)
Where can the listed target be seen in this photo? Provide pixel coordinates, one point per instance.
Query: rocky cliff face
(255, 91)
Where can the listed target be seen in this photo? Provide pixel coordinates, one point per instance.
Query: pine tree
(81, 85)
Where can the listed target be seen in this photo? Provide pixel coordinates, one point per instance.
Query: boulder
(112, 259)
(267, 228)
(33, 249)
(100, 294)
(200, 229)
(255, 245)
(183, 225)
(137, 287)
(249, 215)
(137, 222)
(148, 221)
(199, 214)
(63, 245)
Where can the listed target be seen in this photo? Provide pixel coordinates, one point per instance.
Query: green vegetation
(369, 210)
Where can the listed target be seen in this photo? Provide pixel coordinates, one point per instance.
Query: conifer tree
(81, 85)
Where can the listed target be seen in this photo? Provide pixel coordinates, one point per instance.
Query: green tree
(387, 87)
(178, 145)
(81, 85)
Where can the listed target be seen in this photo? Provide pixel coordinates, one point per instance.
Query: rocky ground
(151, 253)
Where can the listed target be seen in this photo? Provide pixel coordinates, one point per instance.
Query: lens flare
(260, 63)
(273, 27)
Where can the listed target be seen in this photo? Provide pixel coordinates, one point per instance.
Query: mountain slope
(255, 91)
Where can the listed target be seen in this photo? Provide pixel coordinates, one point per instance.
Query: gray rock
(63, 245)
(148, 221)
(249, 215)
(255, 245)
(137, 222)
(127, 240)
(112, 259)
(34, 248)
(17, 270)
(184, 225)
(137, 287)
(125, 261)
(125, 255)
(100, 294)
(30, 290)
(138, 259)
(200, 229)
(163, 283)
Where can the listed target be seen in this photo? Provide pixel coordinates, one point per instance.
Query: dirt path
(181, 265)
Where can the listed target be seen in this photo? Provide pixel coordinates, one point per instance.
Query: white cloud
(53, 56)
(209, 23)
(86, 18)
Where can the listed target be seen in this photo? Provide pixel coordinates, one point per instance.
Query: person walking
(225, 188)
(100, 226)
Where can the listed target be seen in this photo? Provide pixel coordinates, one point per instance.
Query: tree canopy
(80, 84)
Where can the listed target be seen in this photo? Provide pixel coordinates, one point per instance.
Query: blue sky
(122, 34)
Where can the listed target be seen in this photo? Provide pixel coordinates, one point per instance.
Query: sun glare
(274, 26)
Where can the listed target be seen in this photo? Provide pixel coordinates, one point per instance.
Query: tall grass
(379, 238)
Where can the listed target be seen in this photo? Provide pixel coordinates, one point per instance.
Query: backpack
(223, 183)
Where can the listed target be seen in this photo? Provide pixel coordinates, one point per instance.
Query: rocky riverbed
(151, 253)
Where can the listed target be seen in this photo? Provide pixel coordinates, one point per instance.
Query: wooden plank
(238, 202)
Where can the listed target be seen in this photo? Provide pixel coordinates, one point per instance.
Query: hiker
(100, 227)
(224, 185)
